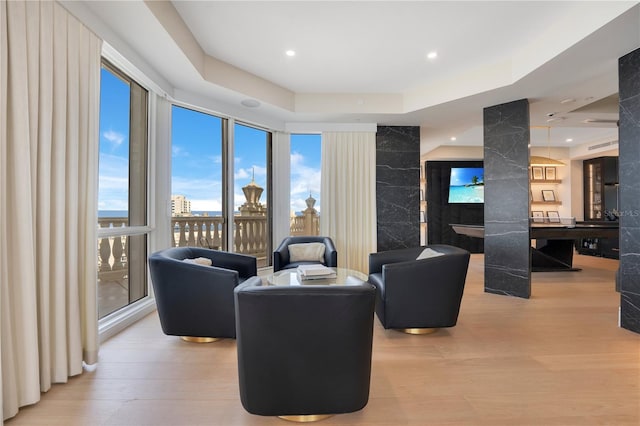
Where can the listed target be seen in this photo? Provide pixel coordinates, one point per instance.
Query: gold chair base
(306, 418)
(192, 339)
(418, 330)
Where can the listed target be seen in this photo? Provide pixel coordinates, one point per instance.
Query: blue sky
(462, 176)
(114, 143)
(197, 156)
(305, 170)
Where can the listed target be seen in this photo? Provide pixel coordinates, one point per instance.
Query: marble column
(398, 186)
(507, 256)
(629, 190)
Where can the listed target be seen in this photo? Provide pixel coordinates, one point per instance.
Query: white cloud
(248, 172)
(178, 151)
(259, 171)
(113, 204)
(114, 137)
(113, 182)
(242, 174)
(296, 159)
(114, 173)
(304, 180)
(206, 205)
(196, 189)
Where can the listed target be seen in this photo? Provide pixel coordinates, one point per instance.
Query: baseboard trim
(118, 321)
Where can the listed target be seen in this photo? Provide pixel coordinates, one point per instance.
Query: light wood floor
(558, 358)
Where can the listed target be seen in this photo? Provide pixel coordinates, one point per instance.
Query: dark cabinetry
(600, 189)
(600, 204)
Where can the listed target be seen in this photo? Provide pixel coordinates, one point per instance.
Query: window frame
(138, 193)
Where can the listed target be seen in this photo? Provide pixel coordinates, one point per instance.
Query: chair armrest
(443, 271)
(378, 260)
(247, 266)
(280, 258)
(330, 253)
(189, 273)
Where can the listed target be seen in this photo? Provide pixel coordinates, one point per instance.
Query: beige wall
(452, 153)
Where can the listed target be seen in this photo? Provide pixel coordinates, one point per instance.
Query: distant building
(180, 206)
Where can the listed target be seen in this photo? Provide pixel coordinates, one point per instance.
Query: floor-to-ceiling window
(197, 179)
(252, 160)
(201, 144)
(305, 199)
(122, 191)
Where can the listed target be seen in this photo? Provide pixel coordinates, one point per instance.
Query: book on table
(315, 272)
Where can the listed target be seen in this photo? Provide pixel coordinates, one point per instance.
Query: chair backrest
(196, 300)
(281, 253)
(420, 293)
(304, 349)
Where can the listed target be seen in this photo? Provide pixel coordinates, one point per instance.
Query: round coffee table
(343, 277)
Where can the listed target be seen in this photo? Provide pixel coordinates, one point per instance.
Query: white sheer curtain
(49, 86)
(349, 196)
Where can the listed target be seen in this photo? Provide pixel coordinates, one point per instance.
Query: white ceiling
(363, 62)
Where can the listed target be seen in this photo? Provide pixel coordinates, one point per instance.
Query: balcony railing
(250, 237)
(250, 233)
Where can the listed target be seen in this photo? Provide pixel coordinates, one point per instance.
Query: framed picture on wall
(550, 173)
(548, 195)
(537, 173)
(554, 216)
(537, 216)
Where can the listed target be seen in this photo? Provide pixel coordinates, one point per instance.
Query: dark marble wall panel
(507, 255)
(629, 190)
(398, 186)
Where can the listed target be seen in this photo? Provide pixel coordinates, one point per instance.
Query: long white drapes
(349, 196)
(49, 88)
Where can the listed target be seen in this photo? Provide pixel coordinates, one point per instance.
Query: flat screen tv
(466, 185)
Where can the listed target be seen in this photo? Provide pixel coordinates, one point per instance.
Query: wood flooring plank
(558, 358)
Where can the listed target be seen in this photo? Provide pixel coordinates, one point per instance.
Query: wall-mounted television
(466, 185)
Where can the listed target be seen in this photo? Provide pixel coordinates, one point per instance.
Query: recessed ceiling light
(567, 101)
(250, 103)
(432, 55)
(568, 140)
(453, 138)
(290, 52)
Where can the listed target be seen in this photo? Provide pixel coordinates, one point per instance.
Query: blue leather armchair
(195, 301)
(281, 258)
